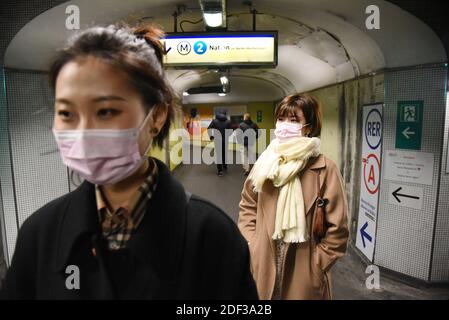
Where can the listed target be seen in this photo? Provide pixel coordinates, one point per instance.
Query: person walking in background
(249, 134)
(293, 210)
(217, 132)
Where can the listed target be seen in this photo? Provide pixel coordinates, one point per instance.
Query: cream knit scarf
(281, 163)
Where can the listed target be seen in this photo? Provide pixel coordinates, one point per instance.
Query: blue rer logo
(200, 47)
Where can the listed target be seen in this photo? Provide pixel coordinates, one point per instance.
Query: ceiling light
(213, 19)
(224, 80)
(214, 13)
(185, 93)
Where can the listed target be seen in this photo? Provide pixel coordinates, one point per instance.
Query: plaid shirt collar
(118, 225)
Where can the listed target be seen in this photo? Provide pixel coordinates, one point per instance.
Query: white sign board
(405, 196)
(409, 166)
(370, 182)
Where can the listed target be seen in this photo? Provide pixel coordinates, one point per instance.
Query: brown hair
(309, 106)
(136, 51)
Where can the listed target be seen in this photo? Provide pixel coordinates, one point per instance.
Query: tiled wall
(32, 172)
(404, 241)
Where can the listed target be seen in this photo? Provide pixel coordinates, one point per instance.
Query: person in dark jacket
(130, 230)
(249, 132)
(219, 131)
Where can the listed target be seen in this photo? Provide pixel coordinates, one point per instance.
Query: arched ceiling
(320, 42)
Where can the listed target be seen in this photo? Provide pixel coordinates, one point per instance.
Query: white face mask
(102, 156)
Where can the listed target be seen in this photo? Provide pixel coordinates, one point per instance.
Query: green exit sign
(259, 116)
(409, 124)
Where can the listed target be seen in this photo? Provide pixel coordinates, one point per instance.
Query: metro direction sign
(409, 125)
(213, 49)
(370, 182)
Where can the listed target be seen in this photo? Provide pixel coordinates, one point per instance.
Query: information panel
(370, 182)
(221, 49)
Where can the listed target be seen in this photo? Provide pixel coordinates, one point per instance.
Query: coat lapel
(268, 199)
(159, 240)
(79, 230)
(309, 181)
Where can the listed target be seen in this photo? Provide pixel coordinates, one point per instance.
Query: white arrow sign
(406, 132)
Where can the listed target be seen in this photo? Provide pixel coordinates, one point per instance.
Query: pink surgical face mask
(286, 130)
(102, 156)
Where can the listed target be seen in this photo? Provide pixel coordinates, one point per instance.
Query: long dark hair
(136, 51)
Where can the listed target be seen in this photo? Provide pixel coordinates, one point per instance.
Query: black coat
(183, 249)
(220, 123)
(248, 125)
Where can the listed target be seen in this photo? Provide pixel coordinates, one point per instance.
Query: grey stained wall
(349, 97)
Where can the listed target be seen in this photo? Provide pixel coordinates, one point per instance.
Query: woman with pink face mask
(293, 210)
(130, 230)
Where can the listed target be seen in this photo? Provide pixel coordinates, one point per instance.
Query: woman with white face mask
(130, 230)
(293, 210)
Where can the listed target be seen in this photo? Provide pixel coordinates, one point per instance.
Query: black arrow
(165, 48)
(396, 194)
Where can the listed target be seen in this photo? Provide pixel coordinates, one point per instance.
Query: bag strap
(318, 183)
(319, 221)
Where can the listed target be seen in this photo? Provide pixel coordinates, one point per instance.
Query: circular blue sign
(200, 47)
(373, 129)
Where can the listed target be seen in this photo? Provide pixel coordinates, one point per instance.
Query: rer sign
(370, 182)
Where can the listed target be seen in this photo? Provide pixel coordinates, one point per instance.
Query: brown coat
(306, 265)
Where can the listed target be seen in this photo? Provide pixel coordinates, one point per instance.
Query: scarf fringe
(290, 237)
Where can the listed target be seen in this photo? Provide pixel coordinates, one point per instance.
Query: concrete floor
(224, 191)
(348, 274)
